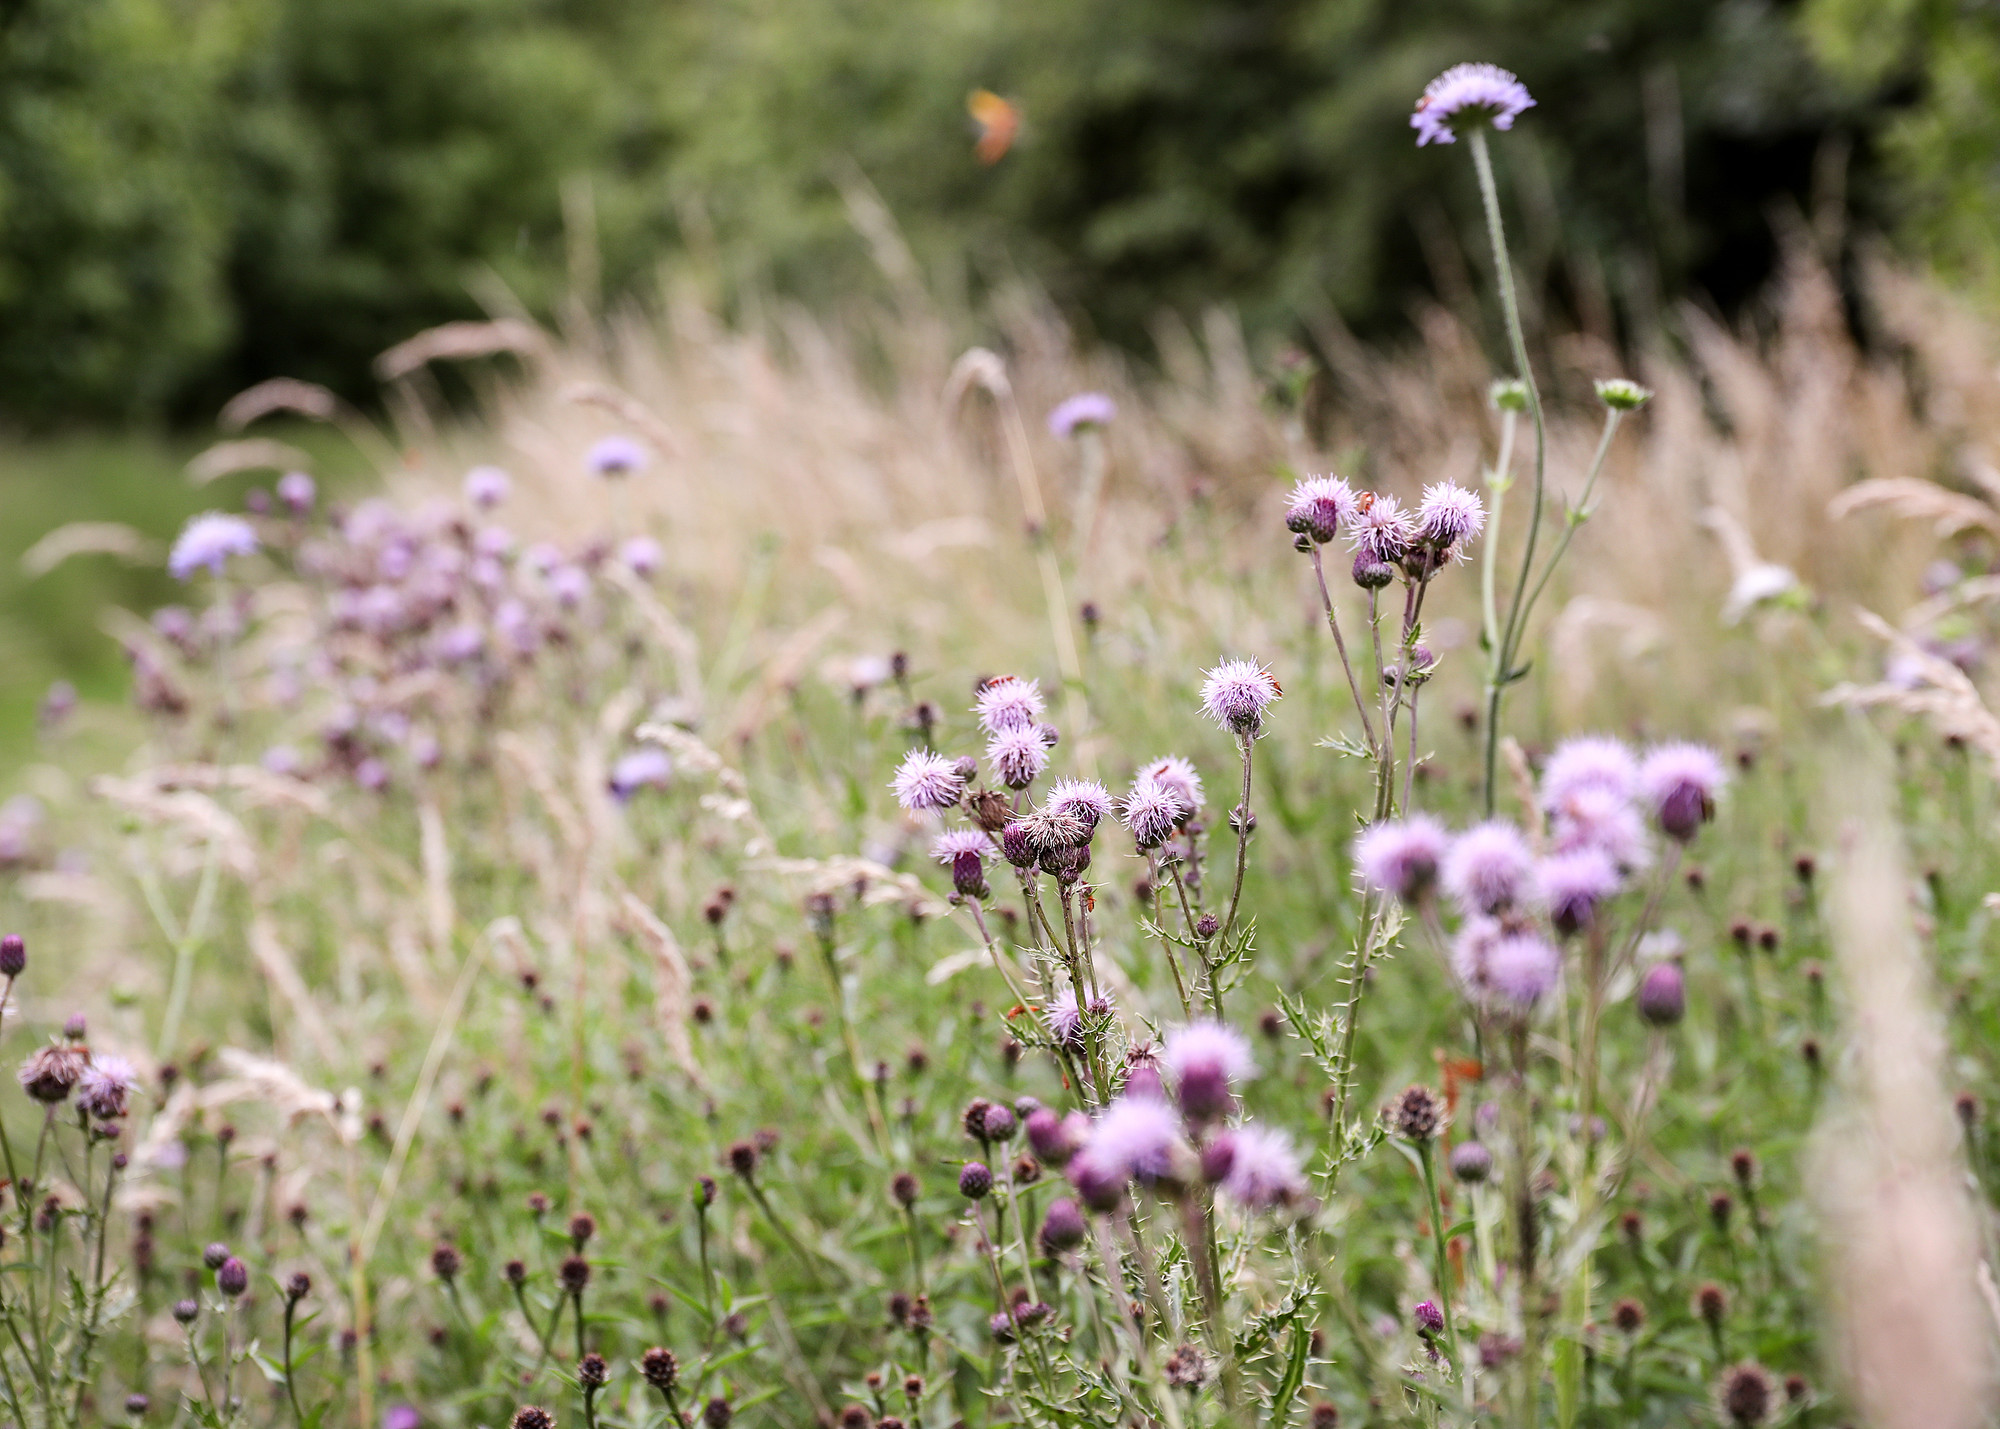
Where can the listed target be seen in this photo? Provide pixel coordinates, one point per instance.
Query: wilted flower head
(209, 540)
(641, 769)
(1151, 811)
(1085, 409)
(1319, 507)
(1574, 884)
(1207, 1059)
(1488, 868)
(1468, 94)
(1017, 756)
(1264, 1171)
(1381, 532)
(1008, 702)
(1591, 761)
(1178, 775)
(105, 1084)
(50, 1072)
(1416, 1114)
(1449, 519)
(927, 780)
(1680, 782)
(616, 456)
(1053, 830)
(1236, 693)
(1401, 857)
(1747, 1394)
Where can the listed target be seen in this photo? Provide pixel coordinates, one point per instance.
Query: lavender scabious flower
(487, 486)
(1086, 799)
(927, 780)
(641, 769)
(105, 1084)
(1574, 884)
(1017, 757)
(208, 541)
(1488, 868)
(1448, 521)
(1319, 507)
(1151, 811)
(1468, 94)
(1236, 693)
(1591, 761)
(1264, 1172)
(1207, 1059)
(1401, 858)
(642, 556)
(616, 456)
(1085, 409)
(1008, 703)
(1680, 782)
(1178, 775)
(298, 491)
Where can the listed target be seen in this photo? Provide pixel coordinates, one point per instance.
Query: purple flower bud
(13, 956)
(1016, 846)
(1663, 995)
(232, 1278)
(1428, 1318)
(1471, 1162)
(1000, 1123)
(1055, 1137)
(975, 1181)
(1062, 1226)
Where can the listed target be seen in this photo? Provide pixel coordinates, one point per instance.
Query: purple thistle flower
(298, 491)
(1264, 1172)
(1488, 868)
(1064, 1015)
(1380, 532)
(1151, 811)
(642, 556)
(1595, 818)
(570, 585)
(1468, 94)
(104, 1086)
(1207, 1058)
(209, 540)
(616, 456)
(487, 486)
(401, 1416)
(1179, 776)
(1574, 884)
(956, 843)
(1663, 995)
(1236, 693)
(1062, 1226)
(1449, 519)
(1134, 1139)
(1401, 858)
(1514, 970)
(1680, 782)
(1591, 761)
(1017, 757)
(1086, 799)
(927, 780)
(1008, 703)
(1319, 507)
(1056, 1136)
(641, 769)
(1085, 409)
(1428, 1319)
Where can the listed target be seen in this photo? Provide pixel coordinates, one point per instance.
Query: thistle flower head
(1417, 1114)
(1380, 533)
(926, 781)
(297, 490)
(1662, 996)
(1207, 1059)
(1133, 1139)
(1235, 695)
(1064, 1015)
(1489, 868)
(1471, 1162)
(208, 541)
(642, 556)
(1747, 1394)
(1017, 756)
(487, 486)
(1574, 883)
(1264, 1171)
(1056, 1136)
(953, 844)
(1151, 811)
(1178, 775)
(1449, 519)
(1594, 818)
(1468, 94)
(1084, 798)
(50, 1073)
(1591, 761)
(1401, 857)
(1319, 507)
(646, 768)
(1085, 409)
(1053, 830)
(616, 456)
(1008, 702)
(104, 1086)
(1680, 783)
(1062, 1226)
(1521, 970)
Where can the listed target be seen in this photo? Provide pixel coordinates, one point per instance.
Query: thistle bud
(975, 1181)
(13, 956)
(1663, 995)
(1062, 1226)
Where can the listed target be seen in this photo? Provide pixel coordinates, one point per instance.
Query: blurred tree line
(198, 193)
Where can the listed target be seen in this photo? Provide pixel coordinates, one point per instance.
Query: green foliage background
(198, 193)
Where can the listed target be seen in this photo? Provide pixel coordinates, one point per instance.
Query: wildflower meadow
(847, 880)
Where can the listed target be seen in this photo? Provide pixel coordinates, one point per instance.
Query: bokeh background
(199, 194)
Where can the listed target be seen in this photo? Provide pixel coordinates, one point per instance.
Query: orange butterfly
(999, 122)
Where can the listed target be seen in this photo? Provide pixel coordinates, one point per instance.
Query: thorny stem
(1344, 1057)
(1244, 823)
(1173, 961)
(1502, 667)
(1339, 644)
(1385, 761)
(1427, 1154)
